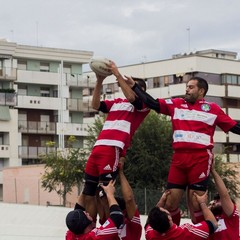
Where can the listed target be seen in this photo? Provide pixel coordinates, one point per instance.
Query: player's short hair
(202, 83)
(121, 203)
(158, 220)
(216, 196)
(141, 82)
(77, 221)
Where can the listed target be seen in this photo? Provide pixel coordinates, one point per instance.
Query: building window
(156, 82)
(55, 93)
(110, 88)
(44, 67)
(66, 68)
(44, 92)
(231, 79)
(22, 90)
(22, 65)
(1, 139)
(1, 163)
(231, 103)
(232, 148)
(30, 161)
(168, 80)
(149, 83)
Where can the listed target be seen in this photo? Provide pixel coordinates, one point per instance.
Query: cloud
(126, 31)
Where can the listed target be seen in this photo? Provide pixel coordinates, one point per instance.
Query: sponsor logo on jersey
(106, 224)
(205, 107)
(168, 101)
(184, 105)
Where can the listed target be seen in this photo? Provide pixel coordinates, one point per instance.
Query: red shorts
(190, 167)
(102, 160)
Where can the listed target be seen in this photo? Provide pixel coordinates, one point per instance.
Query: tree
(228, 174)
(148, 158)
(93, 131)
(64, 169)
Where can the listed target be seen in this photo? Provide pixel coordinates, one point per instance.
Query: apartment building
(167, 78)
(41, 100)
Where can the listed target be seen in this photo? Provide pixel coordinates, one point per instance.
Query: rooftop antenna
(12, 32)
(144, 59)
(188, 29)
(37, 32)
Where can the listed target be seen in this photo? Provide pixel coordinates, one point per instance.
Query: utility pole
(189, 46)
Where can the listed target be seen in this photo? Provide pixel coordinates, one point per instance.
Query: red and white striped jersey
(132, 229)
(194, 124)
(121, 123)
(185, 232)
(228, 227)
(107, 231)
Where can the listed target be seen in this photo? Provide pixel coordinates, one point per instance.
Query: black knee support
(107, 177)
(90, 185)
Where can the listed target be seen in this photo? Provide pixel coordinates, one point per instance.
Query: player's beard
(190, 98)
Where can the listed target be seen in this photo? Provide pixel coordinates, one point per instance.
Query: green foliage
(93, 132)
(8, 90)
(228, 175)
(149, 156)
(63, 169)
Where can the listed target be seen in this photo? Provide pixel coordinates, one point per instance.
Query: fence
(148, 198)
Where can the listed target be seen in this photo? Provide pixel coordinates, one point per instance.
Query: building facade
(41, 100)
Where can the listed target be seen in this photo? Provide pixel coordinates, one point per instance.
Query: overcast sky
(126, 31)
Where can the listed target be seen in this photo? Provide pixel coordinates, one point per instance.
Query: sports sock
(176, 216)
(198, 216)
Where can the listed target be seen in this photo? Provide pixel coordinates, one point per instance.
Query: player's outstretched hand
(163, 199)
(110, 188)
(100, 78)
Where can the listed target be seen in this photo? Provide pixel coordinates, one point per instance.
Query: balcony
(79, 105)
(8, 73)
(77, 80)
(233, 91)
(5, 151)
(35, 102)
(74, 129)
(8, 99)
(37, 127)
(46, 78)
(34, 152)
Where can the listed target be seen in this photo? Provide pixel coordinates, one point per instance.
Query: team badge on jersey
(205, 107)
(168, 101)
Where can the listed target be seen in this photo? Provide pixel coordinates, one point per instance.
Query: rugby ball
(98, 65)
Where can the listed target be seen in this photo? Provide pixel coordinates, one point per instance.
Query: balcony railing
(75, 129)
(8, 99)
(38, 102)
(36, 127)
(34, 152)
(8, 73)
(79, 105)
(77, 80)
